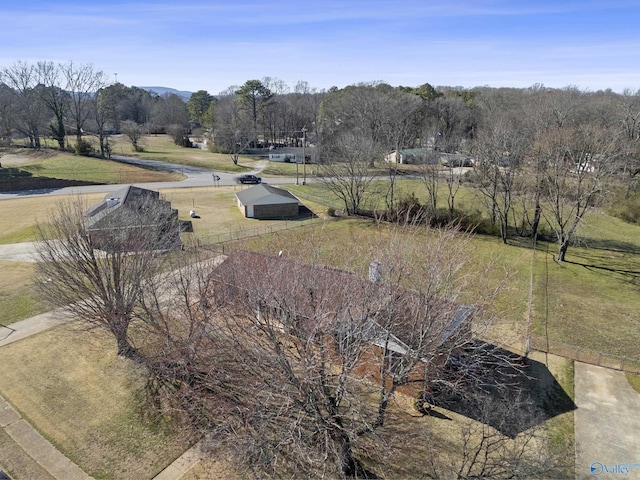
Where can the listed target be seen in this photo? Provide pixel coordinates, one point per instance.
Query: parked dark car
(249, 179)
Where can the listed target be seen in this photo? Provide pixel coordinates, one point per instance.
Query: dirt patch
(25, 157)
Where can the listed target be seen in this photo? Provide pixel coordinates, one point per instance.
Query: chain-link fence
(217, 241)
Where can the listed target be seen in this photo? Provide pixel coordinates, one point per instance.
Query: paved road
(607, 424)
(196, 177)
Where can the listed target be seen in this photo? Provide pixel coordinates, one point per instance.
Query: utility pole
(304, 158)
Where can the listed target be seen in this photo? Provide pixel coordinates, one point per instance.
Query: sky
(212, 45)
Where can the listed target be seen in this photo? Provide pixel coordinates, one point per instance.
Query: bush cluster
(626, 208)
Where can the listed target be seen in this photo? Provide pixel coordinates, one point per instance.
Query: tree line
(542, 157)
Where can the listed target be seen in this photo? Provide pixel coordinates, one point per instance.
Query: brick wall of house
(275, 211)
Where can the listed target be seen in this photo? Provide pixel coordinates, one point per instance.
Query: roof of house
(113, 203)
(388, 316)
(262, 194)
(120, 197)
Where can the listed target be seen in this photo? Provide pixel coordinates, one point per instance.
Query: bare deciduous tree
(27, 110)
(134, 133)
(55, 97)
(292, 366)
(98, 276)
(431, 175)
(578, 162)
(346, 168)
(82, 82)
(500, 152)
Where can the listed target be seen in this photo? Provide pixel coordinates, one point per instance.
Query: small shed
(267, 202)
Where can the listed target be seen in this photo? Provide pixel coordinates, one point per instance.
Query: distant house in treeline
(413, 156)
(139, 215)
(428, 156)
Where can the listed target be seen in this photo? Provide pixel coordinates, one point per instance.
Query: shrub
(626, 208)
(83, 147)
(13, 173)
(215, 148)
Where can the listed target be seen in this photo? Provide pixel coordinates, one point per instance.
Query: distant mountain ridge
(166, 90)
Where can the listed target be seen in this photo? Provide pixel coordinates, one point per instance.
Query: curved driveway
(607, 424)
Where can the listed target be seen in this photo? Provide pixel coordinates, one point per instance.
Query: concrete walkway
(31, 326)
(182, 464)
(19, 252)
(36, 446)
(607, 424)
(45, 454)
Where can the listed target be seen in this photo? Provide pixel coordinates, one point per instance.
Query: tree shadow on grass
(506, 391)
(610, 245)
(616, 263)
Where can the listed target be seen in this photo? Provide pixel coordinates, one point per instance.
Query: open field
(18, 216)
(86, 401)
(161, 147)
(68, 166)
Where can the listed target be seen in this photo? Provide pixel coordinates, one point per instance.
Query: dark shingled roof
(265, 195)
(319, 293)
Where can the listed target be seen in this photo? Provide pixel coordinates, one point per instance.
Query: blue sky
(211, 45)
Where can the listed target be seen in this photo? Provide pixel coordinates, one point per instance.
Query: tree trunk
(536, 221)
(562, 250)
(348, 464)
(504, 232)
(59, 132)
(126, 350)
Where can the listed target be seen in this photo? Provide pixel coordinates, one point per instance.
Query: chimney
(375, 271)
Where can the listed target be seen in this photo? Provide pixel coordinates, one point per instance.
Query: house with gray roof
(133, 218)
(267, 202)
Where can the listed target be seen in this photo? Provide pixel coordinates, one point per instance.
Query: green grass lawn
(590, 301)
(18, 300)
(18, 216)
(70, 385)
(634, 381)
(162, 148)
(68, 166)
